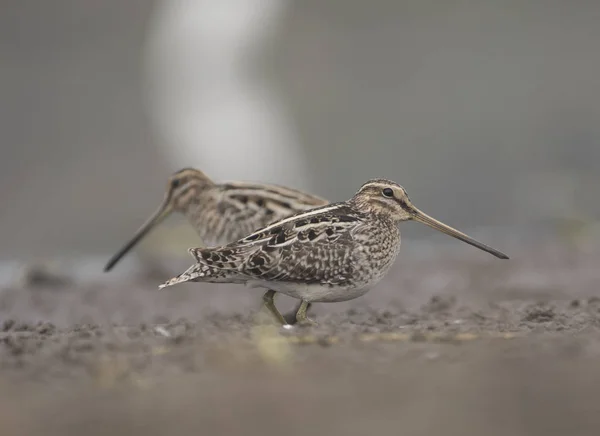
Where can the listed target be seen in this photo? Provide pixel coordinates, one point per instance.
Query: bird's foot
(307, 322)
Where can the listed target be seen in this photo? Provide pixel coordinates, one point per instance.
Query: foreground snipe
(222, 213)
(327, 254)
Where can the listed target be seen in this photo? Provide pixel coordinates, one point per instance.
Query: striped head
(384, 198)
(390, 201)
(182, 187)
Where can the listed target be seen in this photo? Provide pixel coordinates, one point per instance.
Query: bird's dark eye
(175, 183)
(388, 192)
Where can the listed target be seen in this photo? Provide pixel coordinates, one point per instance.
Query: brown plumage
(331, 253)
(222, 212)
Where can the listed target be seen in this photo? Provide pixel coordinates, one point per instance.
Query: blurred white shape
(162, 331)
(210, 107)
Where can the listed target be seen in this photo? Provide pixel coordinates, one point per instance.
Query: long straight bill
(161, 213)
(437, 225)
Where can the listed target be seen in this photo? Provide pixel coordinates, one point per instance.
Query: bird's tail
(203, 271)
(189, 275)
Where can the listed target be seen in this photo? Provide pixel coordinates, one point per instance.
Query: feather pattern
(233, 210)
(333, 246)
(334, 252)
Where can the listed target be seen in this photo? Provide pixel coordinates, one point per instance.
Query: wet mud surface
(445, 345)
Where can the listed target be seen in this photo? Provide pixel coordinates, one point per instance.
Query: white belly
(313, 293)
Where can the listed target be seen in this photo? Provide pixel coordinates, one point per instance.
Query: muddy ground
(446, 345)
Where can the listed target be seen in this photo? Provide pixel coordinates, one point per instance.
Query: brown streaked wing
(311, 248)
(251, 207)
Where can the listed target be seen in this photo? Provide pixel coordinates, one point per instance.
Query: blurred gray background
(487, 112)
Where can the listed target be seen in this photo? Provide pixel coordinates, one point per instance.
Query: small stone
(46, 328)
(8, 324)
(22, 327)
(162, 331)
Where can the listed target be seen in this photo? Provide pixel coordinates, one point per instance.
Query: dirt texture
(445, 345)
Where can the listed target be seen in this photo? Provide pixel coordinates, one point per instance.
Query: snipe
(221, 212)
(330, 253)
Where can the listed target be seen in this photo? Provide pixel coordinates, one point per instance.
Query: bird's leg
(290, 317)
(269, 303)
(301, 317)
